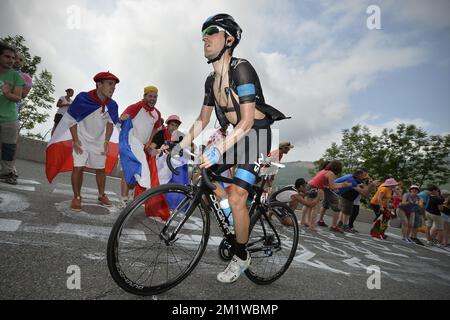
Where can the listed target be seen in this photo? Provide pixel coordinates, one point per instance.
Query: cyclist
(234, 91)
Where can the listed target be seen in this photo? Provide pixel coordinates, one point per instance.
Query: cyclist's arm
(198, 126)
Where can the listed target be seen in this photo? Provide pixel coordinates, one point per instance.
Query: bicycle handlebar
(169, 165)
(204, 171)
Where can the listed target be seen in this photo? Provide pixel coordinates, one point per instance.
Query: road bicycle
(148, 256)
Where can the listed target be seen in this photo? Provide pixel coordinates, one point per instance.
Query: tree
(406, 153)
(39, 99)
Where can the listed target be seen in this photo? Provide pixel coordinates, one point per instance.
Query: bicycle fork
(170, 238)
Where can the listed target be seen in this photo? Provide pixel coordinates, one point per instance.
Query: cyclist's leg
(249, 148)
(242, 181)
(220, 192)
(242, 184)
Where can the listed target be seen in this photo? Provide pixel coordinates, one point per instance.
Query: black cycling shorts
(245, 153)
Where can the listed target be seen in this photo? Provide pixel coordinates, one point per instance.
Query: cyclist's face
(213, 44)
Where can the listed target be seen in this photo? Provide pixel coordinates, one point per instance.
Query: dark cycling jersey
(244, 82)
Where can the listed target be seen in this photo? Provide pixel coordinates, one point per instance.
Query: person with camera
(294, 195)
(324, 181)
(349, 194)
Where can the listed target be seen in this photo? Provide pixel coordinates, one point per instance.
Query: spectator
(321, 222)
(167, 133)
(419, 215)
(63, 105)
(293, 196)
(91, 134)
(11, 91)
(325, 182)
(18, 65)
(446, 220)
(145, 119)
(276, 156)
(283, 148)
(406, 212)
(348, 195)
(380, 201)
(433, 216)
(355, 213)
(397, 197)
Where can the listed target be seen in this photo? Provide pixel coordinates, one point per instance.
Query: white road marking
(94, 256)
(12, 202)
(307, 255)
(26, 181)
(85, 231)
(9, 225)
(84, 195)
(19, 187)
(110, 177)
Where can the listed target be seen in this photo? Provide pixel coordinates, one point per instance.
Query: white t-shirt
(92, 129)
(143, 124)
(64, 100)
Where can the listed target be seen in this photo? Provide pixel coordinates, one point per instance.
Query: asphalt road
(42, 241)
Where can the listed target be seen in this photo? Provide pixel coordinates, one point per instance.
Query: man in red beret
(90, 119)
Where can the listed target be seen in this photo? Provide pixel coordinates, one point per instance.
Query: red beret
(105, 76)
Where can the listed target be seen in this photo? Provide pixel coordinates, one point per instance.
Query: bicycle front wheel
(272, 243)
(148, 254)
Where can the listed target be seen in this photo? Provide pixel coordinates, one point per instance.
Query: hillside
(300, 169)
(293, 171)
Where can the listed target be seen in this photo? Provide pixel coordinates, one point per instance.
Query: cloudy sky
(317, 60)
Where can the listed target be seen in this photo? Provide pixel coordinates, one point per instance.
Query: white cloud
(310, 74)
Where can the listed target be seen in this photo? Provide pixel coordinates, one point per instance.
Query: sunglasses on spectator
(213, 30)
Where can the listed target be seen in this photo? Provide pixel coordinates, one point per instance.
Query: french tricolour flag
(145, 171)
(59, 149)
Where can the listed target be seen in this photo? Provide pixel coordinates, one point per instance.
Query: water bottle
(225, 206)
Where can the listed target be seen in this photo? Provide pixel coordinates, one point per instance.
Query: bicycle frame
(204, 189)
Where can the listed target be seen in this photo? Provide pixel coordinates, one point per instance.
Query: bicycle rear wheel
(272, 243)
(147, 255)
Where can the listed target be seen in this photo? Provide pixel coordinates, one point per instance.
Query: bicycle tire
(127, 232)
(267, 237)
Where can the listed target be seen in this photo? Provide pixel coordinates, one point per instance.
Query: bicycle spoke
(141, 259)
(272, 245)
